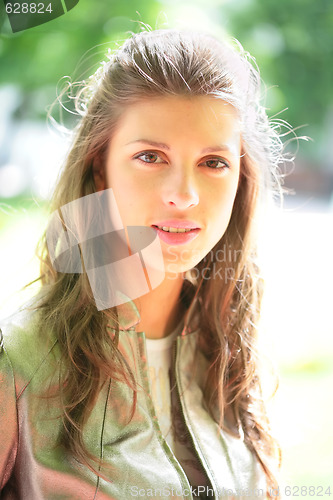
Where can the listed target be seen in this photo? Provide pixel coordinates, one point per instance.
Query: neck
(161, 309)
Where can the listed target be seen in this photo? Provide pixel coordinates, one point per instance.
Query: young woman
(136, 372)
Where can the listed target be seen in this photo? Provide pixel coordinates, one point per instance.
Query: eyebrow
(162, 145)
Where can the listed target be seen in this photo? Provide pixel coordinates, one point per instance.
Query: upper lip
(178, 223)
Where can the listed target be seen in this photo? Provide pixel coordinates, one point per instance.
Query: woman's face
(174, 163)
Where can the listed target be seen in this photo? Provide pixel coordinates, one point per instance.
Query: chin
(176, 268)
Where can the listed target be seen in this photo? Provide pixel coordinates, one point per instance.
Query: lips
(176, 232)
(177, 223)
(174, 229)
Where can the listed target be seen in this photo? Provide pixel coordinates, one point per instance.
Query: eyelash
(214, 158)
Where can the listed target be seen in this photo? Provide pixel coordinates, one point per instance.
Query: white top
(159, 354)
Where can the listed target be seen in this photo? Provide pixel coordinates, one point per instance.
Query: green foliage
(71, 45)
(292, 43)
(42, 55)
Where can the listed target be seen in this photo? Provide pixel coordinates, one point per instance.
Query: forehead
(199, 119)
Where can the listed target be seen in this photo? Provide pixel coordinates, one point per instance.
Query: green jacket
(32, 467)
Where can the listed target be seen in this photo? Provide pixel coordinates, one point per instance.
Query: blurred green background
(292, 43)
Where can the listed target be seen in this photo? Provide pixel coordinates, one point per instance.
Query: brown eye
(216, 164)
(149, 157)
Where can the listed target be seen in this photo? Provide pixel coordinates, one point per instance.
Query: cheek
(125, 182)
(123, 186)
(221, 203)
(132, 195)
(221, 208)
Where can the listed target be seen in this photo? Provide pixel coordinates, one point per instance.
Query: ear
(98, 170)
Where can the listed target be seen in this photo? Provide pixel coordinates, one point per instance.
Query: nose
(181, 191)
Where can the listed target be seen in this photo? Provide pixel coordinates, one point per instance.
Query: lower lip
(177, 238)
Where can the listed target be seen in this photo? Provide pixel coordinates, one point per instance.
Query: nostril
(183, 201)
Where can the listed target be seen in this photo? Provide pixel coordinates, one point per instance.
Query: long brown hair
(152, 64)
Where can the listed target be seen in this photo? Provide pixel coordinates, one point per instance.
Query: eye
(149, 157)
(215, 163)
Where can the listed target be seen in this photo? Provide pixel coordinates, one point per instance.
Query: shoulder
(23, 345)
